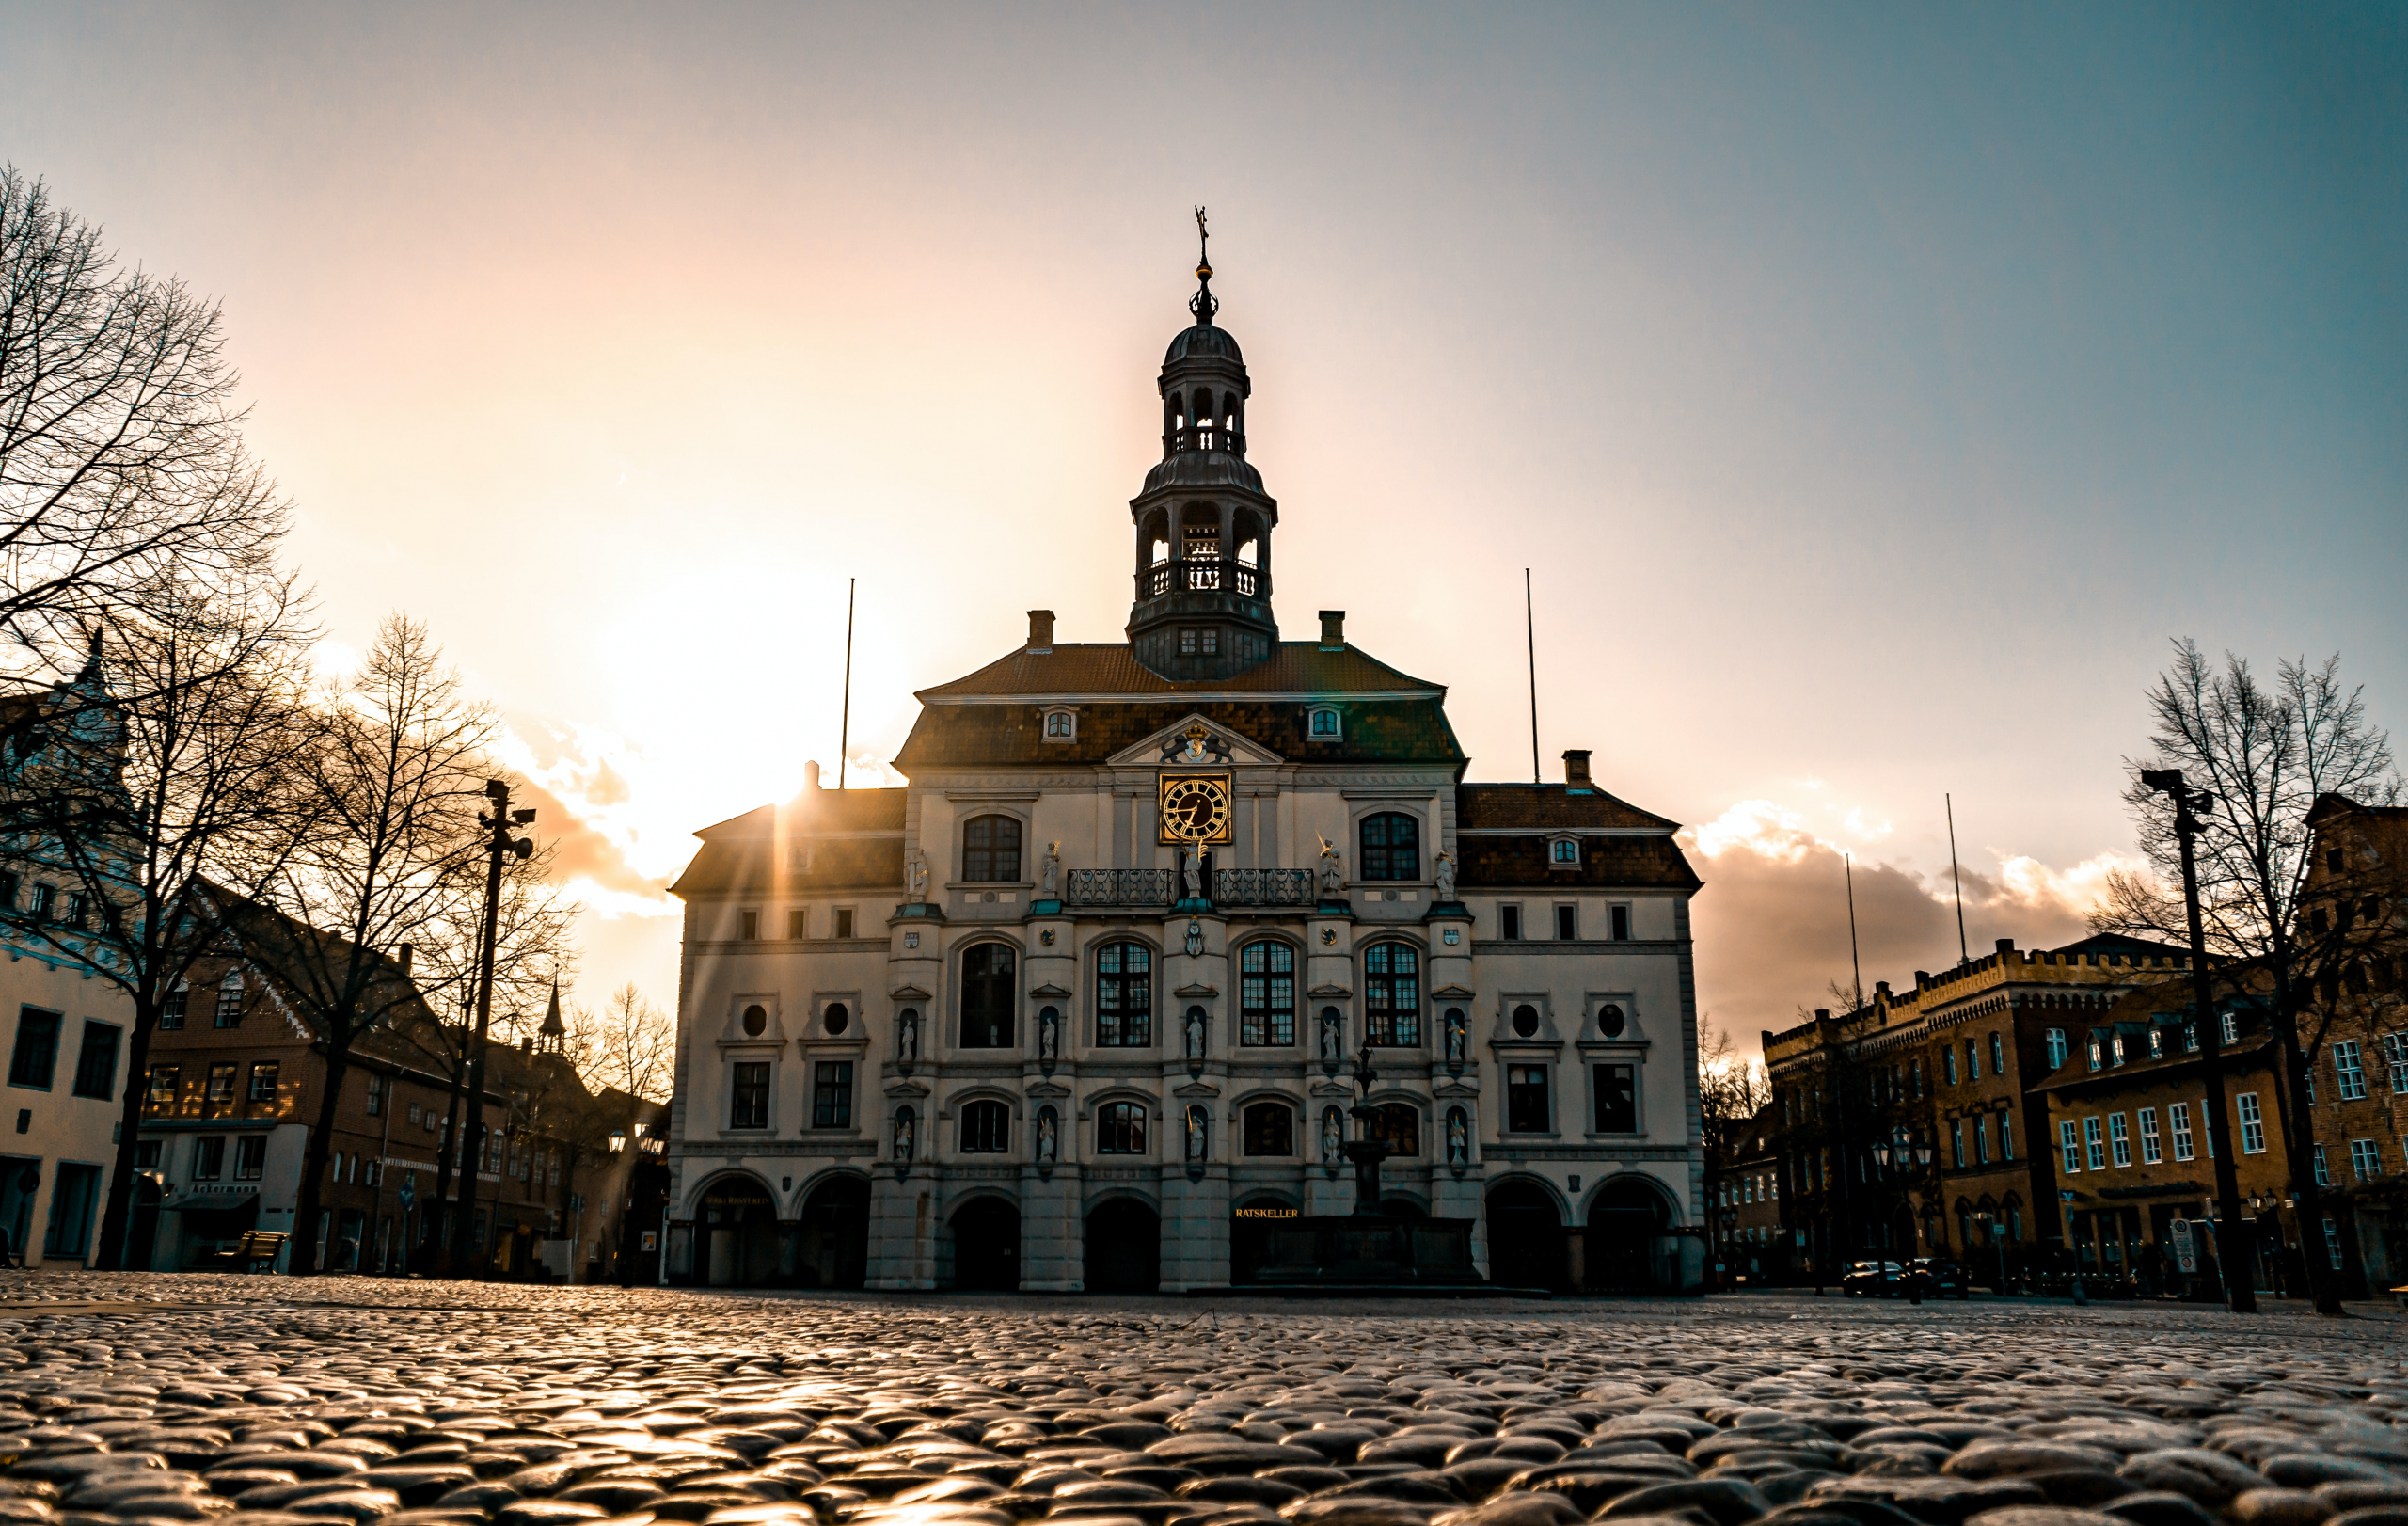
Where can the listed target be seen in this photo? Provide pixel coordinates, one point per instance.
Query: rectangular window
(2333, 1242)
(1187, 641)
(2156, 1041)
(35, 1060)
(2178, 1117)
(2229, 1025)
(1526, 1099)
(831, 1094)
(2395, 1059)
(2006, 1135)
(2071, 1141)
(1567, 924)
(8, 887)
(1124, 1000)
(2056, 1041)
(799, 923)
(2349, 1071)
(1998, 1056)
(749, 1102)
(1618, 923)
(2253, 1125)
(1392, 994)
(375, 1095)
(2323, 1173)
(46, 896)
(2190, 1038)
(752, 925)
(1509, 922)
(72, 1204)
(2094, 1147)
(96, 1062)
(229, 1003)
(2366, 1160)
(148, 1154)
(1948, 1066)
(2119, 1140)
(1981, 1140)
(1617, 1099)
(251, 1158)
(1956, 1130)
(844, 921)
(209, 1157)
(1267, 994)
(161, 1086)
(1972, 1061)
(2098, 1060)
(2153, 1149)
(1120, 1129)
(79, 909)
(171, 1011)
(264, 1080)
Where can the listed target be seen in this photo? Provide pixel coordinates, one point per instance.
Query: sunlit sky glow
(1874, 389)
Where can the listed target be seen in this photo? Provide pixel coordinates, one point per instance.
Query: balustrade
(1185, 575)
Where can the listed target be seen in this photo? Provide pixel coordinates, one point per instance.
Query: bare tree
(1731, 1090)
(2267, 754)
(156, 790)
(122, 474)
(630, 1046)
(388, 867)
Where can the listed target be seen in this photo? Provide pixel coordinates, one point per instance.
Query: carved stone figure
(1333, 871)
(1195, 1028)
(1191, 870)
(1458, 1137)
(1332, 1044)
(1197, 1122)
(1444, 874)
(1046, 1141)
(904, 1131)
(915, 869)
(1049, 1034)
(1454, 1036)
(1052, 870)
(1333, 1135)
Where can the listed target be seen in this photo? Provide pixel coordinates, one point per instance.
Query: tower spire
(1203, 304)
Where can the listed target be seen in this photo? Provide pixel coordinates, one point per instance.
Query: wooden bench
(255, 1251)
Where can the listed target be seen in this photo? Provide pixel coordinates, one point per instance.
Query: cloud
(1772, 923)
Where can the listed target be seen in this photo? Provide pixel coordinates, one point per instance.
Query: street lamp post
(2240, 1297)
(499, 841)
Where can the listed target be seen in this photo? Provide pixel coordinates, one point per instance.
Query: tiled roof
(855, 838)
(1546, 808)
(1370, 731)
(1652, 862)
(1294, 667)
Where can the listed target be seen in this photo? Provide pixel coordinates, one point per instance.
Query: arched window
(1392, 994)
(1270, 1129)
(986, 1128)
(1267, 995)
(1124, 996)
(987, 997)
(1324, 722)
(1391, 846)
(1060, 726)
(991, 849)
(1399, 1125)
(1120, 1129)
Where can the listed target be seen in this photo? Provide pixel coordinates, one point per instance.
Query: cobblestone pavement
(350, 1401)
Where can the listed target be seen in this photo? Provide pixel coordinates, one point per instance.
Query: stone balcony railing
(1161, 887)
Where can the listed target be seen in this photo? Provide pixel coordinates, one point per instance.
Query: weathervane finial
(1202, 304)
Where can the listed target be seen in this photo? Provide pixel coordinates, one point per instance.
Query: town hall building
(1080, 1007)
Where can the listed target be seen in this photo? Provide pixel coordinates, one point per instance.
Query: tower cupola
(1203, 581)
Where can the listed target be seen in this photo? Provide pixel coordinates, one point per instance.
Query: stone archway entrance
(834, 1236)
(1525, 1238)
(1250, 1226)
(737, 1235)
(1627, 1220)
(985, 1246)
(1124, 1247)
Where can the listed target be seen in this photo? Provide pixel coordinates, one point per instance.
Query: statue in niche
(915, 871)
(904, 1130)
(1455, 1037)
(1197, 1122)
(1444, 874)
(1047, 1142)
(1333, 871)
(907, 1035)
(1333, 1043)
(1052, 870)
(1049, 1034)
(1191, 872)
(1458, 1137)
(1333, 1136)
(1195, 1032)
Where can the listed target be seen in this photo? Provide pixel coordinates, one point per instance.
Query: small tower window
(1324, 720)
(1061, 725)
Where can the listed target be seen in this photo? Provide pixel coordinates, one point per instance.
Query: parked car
(1875, 1280)
(1945, 1277)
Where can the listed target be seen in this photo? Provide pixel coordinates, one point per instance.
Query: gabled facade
(1076, 1008)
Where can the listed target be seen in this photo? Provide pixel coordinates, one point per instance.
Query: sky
(1873, 390)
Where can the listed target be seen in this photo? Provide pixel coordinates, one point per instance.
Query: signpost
(2186, 1248)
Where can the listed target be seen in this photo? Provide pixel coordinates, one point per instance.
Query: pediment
(1223, 747)
(910, 994)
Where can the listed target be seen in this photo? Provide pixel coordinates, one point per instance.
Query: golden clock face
(1195, 807)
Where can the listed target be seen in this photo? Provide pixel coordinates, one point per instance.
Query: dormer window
(1564, 852)
(1324, 726)
(1061, 725)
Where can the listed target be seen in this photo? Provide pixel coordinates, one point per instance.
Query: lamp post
(499, 841)
(2230, 1256)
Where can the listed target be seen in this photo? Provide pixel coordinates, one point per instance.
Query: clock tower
(1202, 608)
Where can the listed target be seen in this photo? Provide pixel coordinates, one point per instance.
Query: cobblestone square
(285, 1402)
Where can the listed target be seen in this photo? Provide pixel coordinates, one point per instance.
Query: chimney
(408, 956)
(811, 777)
(1576, 769)
(1040, 630)
(1333, 629)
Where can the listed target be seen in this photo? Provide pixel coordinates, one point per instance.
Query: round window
(756, 1018)
(838, 1018)
(1609, 1020)
(1526, 1020)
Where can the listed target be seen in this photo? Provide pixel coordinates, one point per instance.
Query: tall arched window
(1120, 1129)
(1124, 996)
(986, 1128)
(1399, 1125)
(991, 849)
(1270, 1129)
(1391, 846)
(1267, 994)
(1392, 994)
(986, 997)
